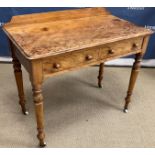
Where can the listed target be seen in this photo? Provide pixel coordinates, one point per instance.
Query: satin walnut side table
(47, 44)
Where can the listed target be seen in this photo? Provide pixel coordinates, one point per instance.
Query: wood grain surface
(48, 34)
(47, 44)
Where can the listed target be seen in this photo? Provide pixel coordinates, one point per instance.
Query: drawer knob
(111, 51)
(89, 57)
(134, 46)
(56, 65)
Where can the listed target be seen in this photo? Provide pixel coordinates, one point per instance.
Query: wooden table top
(46, 34)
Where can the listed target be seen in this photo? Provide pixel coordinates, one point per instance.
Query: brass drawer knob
(56, 65)
(89, 57)
(134, 46)
(111, 51)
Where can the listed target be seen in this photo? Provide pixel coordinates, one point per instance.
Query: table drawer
(120, 48)
(70, 60)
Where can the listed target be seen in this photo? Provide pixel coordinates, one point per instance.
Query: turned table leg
(19, 80)
(134, 74)
(38, 101)
(135, 71)
(100, 76)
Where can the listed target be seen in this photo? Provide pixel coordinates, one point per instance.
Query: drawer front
(120, 48)
(70, 60)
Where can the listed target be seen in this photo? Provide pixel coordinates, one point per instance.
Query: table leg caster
(25, 112)
(42, 144)
(23, 107)
(100, 85)
(125, 110)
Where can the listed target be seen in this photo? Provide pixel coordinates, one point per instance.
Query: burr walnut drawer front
(70, 60)
(120, 48)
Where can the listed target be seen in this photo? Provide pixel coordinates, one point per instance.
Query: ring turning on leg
(38, 101)
(133, 77)
(19, 80)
